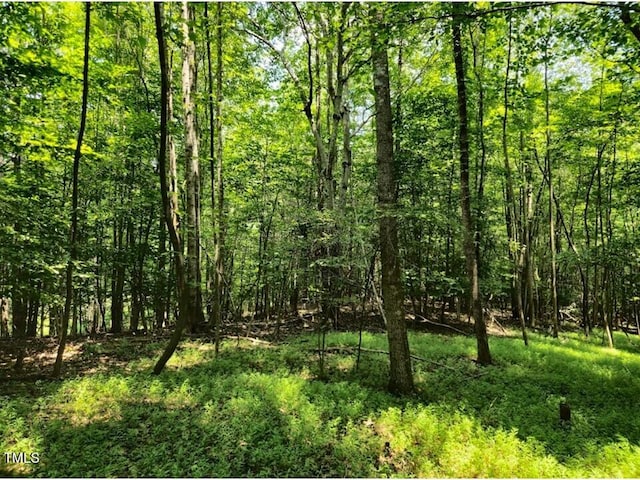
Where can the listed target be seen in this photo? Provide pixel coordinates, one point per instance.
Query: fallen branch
(350, 350)
(251, 339)
(493, 319)
(275, 323)
(415, 315)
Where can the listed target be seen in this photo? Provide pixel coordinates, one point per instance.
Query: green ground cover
(260, 410)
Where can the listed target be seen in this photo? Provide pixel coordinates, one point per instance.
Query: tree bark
(512, 220)
(192, 173)
(401, 378)
(57, 368)
(625, 16)
(528, 235)
(484, 356)
(347, 157)
(552, 219)
(481, 169)
(168, 204)
(161, 276)
(117, 279)
(212, 277)
(219, 212)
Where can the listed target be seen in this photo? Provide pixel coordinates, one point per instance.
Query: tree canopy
(510, 180)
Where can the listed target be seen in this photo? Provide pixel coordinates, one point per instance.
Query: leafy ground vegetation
(261, 409)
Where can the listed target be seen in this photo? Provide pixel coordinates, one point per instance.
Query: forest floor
(264, 408)
(40, 353)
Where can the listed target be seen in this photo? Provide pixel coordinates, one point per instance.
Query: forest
(320, 239)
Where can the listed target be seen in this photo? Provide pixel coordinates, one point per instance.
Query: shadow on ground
(260, 410)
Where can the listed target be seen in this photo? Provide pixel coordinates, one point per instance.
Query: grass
(261, 411)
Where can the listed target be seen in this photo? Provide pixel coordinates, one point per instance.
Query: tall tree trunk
(57, 368)
(401, 378)
(219, 212)
(552, 217)
(18, 292)
(484, 356)
(479, 171)
(512, 221)
(347, 157)
(587, 236)
(212, 277)
(528, 236)
(168, 205)
(602, 294)
(192, 173)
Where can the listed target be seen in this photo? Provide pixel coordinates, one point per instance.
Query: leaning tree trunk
(484, 356)
(168, 205)
(57, 368)
(400, 379)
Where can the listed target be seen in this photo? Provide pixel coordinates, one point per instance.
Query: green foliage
(260, 411)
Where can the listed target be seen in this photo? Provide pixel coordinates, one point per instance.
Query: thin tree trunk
(18, 293)
(212, 275)
(585, 218)
(117, 280)
(484, 355)
(34, 307)
(480, 172)
(57, 368)
(170, 215)
(401, 378)
(602, 293)
(347, 159)
(528, 235)
(219, 212)
(19, 316)
(516, 256)
(552, 217)
(161, 279)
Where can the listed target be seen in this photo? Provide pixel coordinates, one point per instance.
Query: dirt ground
(81, 355)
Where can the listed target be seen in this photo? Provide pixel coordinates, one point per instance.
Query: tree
(400, 375)
(470, 251)
(512, 216)
(534, 132)
(192, 173)
(217, 180)
(169, 212)
(73, 234)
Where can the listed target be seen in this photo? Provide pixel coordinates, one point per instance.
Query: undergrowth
(262, 411)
